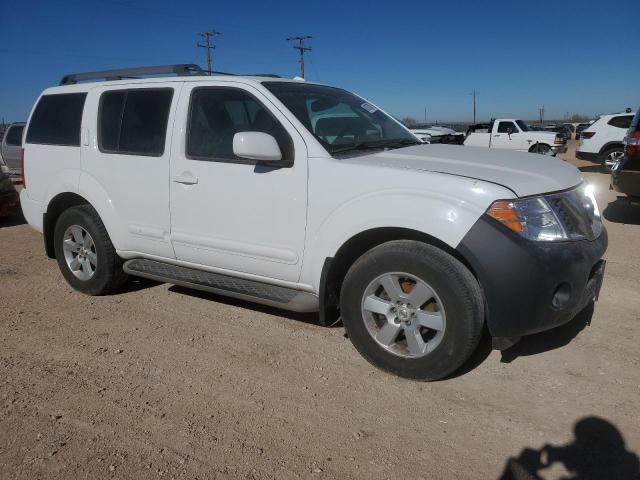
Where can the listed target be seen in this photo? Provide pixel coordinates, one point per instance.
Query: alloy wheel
(80, 252)
(403, 314)
(612, 158)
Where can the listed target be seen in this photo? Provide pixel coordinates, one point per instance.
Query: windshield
(523, 126)
(341, 121)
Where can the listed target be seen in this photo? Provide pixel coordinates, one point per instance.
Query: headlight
(571, 215)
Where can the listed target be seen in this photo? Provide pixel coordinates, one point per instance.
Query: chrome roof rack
(268, 75)
(181, 70)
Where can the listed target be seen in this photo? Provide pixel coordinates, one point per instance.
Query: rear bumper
(589, 156)
(556, 149)
(31, 210)
(528, 286)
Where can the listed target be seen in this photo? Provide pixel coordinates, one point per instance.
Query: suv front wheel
(610, 157)
(85, 254)
(412, 309)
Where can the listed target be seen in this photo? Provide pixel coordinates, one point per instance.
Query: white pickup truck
(512, 134)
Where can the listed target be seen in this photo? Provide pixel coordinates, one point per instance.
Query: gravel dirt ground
(163, 382)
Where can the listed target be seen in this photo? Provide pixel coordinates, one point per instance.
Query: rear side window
(623, 121)
(14, 136)
(56, 120)
(134, 121)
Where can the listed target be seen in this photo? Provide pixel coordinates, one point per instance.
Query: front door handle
(186, 179)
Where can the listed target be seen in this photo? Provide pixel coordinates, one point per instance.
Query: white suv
(603, 140)
(308, 198)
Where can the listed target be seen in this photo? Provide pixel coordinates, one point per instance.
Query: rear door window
(14, 135)
(134, 121)
(57, 119)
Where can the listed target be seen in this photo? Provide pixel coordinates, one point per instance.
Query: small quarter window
(134, 121)
(57, 119)
(623, 121)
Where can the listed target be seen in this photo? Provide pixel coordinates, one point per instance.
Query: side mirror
(256, 146)
(510, 131)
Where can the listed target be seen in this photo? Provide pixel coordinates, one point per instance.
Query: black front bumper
(529, 286)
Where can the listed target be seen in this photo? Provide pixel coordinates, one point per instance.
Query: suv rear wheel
(412, 309)
(85, 254)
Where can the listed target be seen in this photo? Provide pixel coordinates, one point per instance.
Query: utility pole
(541, 112)
(474, 93)
(301, 48)
(208, 46)
(425, 114)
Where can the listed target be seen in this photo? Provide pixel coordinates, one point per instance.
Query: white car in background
(603, 141)
(512, 134)
(438, 134)
(11, 147)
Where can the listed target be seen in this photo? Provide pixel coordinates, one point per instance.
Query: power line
(474, 93)
(301, 48)
(208, 46)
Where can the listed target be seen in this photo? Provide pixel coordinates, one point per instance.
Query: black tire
(108, 275)
(603, 165)
(541, 148)
(456, 287)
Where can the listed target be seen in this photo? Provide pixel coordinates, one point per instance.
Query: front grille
(577, 213)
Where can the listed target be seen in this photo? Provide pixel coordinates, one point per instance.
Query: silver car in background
(11, 147)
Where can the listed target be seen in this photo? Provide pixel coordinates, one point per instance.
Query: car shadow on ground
(135, 284)
(623, 211)
(477, 358)
(529, 345)
(598, 451)
(550, 339)
(12, 221)
(591, 169)
(308, 318)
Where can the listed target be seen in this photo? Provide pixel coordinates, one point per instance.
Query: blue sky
(570, 56)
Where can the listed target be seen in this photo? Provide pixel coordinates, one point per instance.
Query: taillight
(24, 178)
(587, 134)
(632, 146)
(559, 140)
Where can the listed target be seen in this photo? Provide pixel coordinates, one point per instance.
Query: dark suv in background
(625, 176)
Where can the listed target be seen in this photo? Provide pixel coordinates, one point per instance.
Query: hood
(523, 173)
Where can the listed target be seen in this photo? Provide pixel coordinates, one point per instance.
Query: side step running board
(250, 290)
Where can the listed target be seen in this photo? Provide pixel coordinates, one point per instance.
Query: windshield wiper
(388, 143)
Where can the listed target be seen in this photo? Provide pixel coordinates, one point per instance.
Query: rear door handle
(186, 179)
